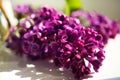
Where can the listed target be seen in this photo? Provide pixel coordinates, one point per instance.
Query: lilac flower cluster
(82, 53)
(47, 33)
(22, 11)
(102, 24)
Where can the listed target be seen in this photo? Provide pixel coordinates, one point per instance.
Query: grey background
(111, 8)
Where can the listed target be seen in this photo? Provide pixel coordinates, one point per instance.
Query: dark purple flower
(14, 42)
(53, 34)
(78, 56)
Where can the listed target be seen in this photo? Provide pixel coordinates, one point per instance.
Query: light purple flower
(23, 9)
(100, 23)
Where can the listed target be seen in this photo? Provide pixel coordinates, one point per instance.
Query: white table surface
(15, 68)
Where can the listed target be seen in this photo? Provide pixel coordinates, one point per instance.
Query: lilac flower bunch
(47, 33)
(102, 24)
(22, 11)
(82, 53)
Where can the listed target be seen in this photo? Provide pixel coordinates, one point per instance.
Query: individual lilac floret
(47, 33)
(102, 24)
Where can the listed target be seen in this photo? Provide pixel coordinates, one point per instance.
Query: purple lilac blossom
(102, 24)
(47, 33)
(22, 11)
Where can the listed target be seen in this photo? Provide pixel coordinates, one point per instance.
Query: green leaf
(74, 4)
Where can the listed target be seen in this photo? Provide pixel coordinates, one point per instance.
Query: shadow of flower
(40, 69)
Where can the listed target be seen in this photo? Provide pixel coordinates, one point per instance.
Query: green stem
(72, 5)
